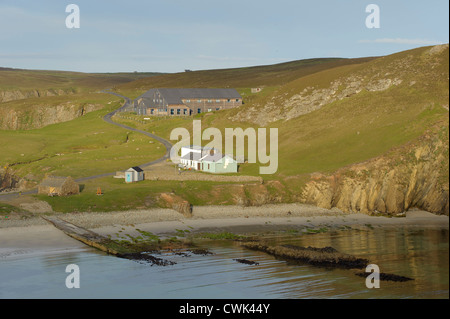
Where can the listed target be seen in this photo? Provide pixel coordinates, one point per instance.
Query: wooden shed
(134, 174)
(58, 186)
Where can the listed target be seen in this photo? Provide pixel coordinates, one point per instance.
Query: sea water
(421, 254)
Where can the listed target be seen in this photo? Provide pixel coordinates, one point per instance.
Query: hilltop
(21, 84)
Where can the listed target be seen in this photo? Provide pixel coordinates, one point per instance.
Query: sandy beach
(35, 234)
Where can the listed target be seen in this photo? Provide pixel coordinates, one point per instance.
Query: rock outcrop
(6, 96)
(42, 115)
(177, 203)
(415, 175)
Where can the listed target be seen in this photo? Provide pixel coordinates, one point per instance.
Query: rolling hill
(365, 135)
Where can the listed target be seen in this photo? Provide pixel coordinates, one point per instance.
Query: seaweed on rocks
(321, 257)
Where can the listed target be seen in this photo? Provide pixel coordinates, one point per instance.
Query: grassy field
(120, 196)
(83, 147)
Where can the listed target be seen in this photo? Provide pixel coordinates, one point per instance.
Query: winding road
(108, 118)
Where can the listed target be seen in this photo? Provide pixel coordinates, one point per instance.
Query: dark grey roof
(174, 96)
(137, 169)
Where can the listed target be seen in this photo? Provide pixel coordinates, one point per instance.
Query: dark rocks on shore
(147, 258)
(246, 261)
(322, 257)
(387, 277)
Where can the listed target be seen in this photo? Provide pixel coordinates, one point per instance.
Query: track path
(108, 118)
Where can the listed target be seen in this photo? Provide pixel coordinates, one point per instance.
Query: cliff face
(415, 175)
(6, 96)
(42, 115)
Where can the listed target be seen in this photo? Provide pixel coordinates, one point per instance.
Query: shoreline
(21, 237)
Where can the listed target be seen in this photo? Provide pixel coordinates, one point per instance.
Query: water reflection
(421, 254)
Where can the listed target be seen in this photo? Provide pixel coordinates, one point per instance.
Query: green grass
(7, 210)
(219, 236)
(120, 196)
(352, 130)
(82, 147)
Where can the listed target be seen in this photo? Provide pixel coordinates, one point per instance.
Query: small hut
(58, 186)
(134, 174)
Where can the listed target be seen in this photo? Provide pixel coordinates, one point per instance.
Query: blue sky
(174, 35)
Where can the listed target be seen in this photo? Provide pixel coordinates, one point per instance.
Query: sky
(174, 35)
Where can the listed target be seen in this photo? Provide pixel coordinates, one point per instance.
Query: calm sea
(421, 254)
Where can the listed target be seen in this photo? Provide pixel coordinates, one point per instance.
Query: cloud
(403, 41)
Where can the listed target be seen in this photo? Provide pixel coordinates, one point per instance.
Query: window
(185, 111)
(209, 101)
(218, 101)
(217, 108)
(199, 111)
(209, 110)
(151, 111)
(229, 100)
(237, 100)
(188, 101)
(178, 111)
(199, 101)
(172, 111)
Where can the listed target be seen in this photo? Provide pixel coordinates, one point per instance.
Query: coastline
(35, 234)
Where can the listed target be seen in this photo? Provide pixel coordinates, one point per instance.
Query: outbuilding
(134, 174)
(58, 186)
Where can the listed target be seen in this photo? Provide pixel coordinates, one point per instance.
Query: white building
(207, 159)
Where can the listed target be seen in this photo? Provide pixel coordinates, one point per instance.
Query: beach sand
(34, 234)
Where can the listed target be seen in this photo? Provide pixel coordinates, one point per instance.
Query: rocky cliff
(414, 175)
(42, 115)
(12, 95)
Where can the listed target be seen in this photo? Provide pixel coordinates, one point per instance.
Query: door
(128, 177)
(198, 166)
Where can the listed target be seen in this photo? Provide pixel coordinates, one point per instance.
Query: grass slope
(347, 131)
(28, 80)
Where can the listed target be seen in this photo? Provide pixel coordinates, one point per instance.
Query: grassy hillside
(352, 125)
(331, 114)
(25, 80)
(240, 78)
(82, 147)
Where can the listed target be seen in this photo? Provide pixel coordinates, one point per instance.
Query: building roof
(198, 148)
(212, 158)
(53, 181)
(192, 156)
(175, 96)
(136, 168)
